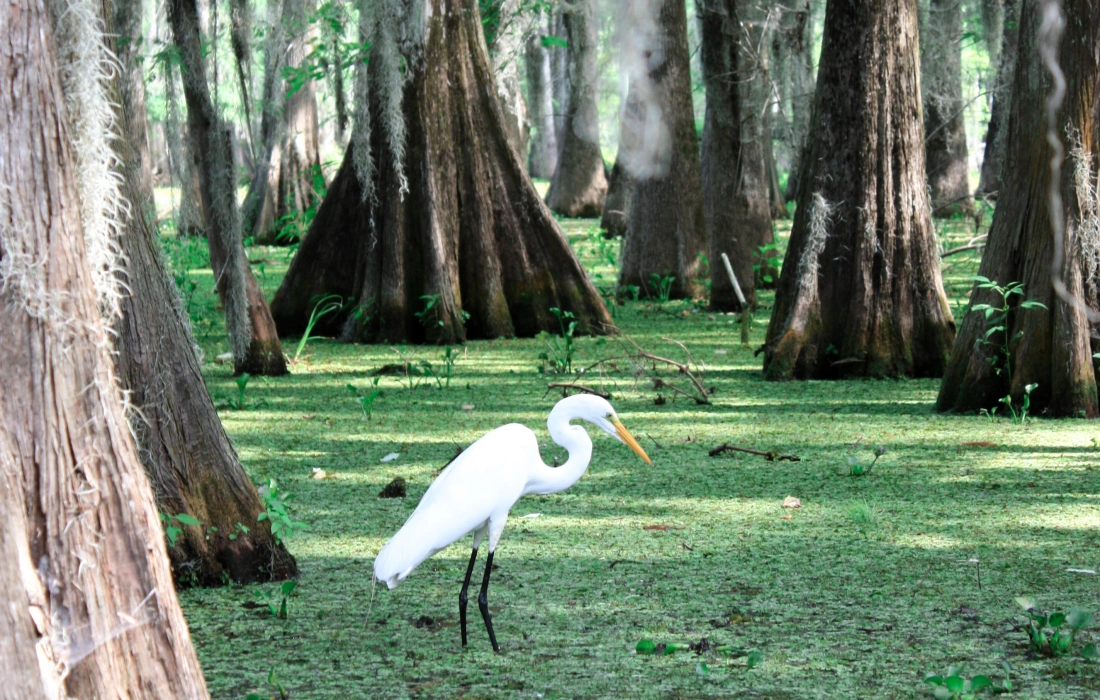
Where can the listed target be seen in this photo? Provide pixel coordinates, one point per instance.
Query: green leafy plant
(998, 339)
(173, 531)
(560, 350)
(240, 529)
(662, 285)
(863, 514)
(953, 685)
(326, 305)
(366, 400)
(647, 647)
(449, 358)
(858, 467)
(187, 287)
(428, 315)
(765, 266)
(278, 598)
(1054, 634)
(277, 512)
(293, 225)
(275, 685)
(242, 385)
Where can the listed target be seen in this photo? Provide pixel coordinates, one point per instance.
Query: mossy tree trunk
(89, 609)
(284, 186)
(471, 233)
(860, 292)
(996, 131)
(1049, 347)
(735, 181)
(944, 126)
(182, 444)
(256, 347)
(666, 229)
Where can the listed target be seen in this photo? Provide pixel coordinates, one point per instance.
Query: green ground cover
(874, 582)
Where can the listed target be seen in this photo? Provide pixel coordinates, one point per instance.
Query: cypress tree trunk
(181, 441)
(860, 292)
(579, 184)
(284, 182)
(796, 41)
(944, 126)
(505, 53)
(470, 232)
(620, 190)
(88, 604)
(736, 197)
(1048, 347)
(666, 229)
(996, 131)
(559, 74)
(256, 347)
(543, 159)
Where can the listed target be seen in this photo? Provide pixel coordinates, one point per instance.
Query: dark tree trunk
(996, 131)
(579, 184)
(944, 126)
(616, 206)
(796, 41)
(735, 179)
(666, 229)
(181, 441)
(284, 182)
(543, 159)
(89, 610)
(256, 347)
(470, 231)
(860, 292)
(1049, 347)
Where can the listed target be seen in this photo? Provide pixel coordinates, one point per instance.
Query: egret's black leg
(483, 602)
(462, 595)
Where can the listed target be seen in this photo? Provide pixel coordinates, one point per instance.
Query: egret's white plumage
(476, 490)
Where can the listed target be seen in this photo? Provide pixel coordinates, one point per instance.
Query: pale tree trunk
(256, 347)
(470, 231)
(993, 25)
(666, 229)
(543, 159)
(87, 584)
(736, 198)
(181, 441)
(796, 43)
(944, 126)
(559, 75)
(579, 184)
(284, 182)
(860, 292)
(620, 191)
(240, 29)
(1048, 347)
(505, 54)
(997, 130)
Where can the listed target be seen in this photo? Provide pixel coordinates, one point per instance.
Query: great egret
(478, 488)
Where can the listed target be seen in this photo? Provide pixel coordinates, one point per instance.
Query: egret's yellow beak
(626, 437)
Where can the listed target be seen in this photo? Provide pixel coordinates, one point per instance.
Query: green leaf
(1056, 619)
(1079, 618)
(942, 693)
(1026, 603)
(979, 682)
(645, 646)
(549, 41)
(954, 684)
(188, 519)
(755, 658)
(933, 679)
(288, 587)
(1089, 652)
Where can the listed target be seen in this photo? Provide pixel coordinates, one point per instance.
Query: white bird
(474, 493)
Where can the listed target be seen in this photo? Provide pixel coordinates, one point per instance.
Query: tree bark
(1049, 347)
(543, 159)
(616, 206)
(505, 52)
(256, 347)
(860, 292)
(579, 184)
(736, 197)
(470, 233)
(666, 228)
(996, 131)
(944, 126)
(559, 74)
(284, 183)
(181, 441)
(796, 42)
(89, 607)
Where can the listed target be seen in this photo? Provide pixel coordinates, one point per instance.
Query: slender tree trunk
(996, 131)
(993, 25)
(1047, 347)
(666, 228)
(796, 41)
(181, 441)
(284, 182)
(470, 233)
(944, 126)
(559, 73)
(256, 347)
(89, 607)
(505, 53)
(543, 159)
(240, 28)
(860, 292)
(579, 184)
(735, 178)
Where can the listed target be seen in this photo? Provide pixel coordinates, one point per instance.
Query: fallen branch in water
(770, 456)
(579, 387)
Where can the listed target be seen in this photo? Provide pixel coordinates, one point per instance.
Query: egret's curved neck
(575, 440)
